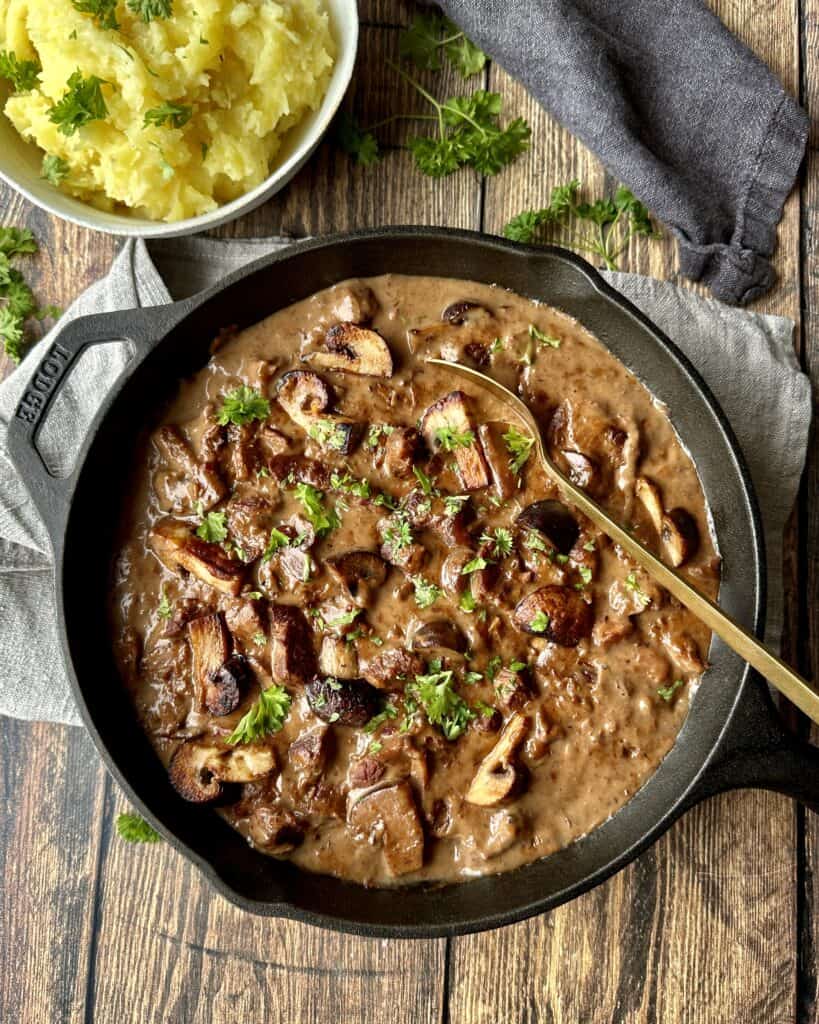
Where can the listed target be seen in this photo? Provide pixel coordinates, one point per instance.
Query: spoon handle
(788, 682)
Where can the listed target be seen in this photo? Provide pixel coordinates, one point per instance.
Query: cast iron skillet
(731, 738)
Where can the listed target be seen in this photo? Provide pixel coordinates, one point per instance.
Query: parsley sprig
(265, 717)
(609, 224)
(171, 115)
(104, 12)
(148, 10)
(442, 704)
(322, 518)
(21, 73)
(519, 447)
(134, 829)
(242, 405)
(430, 36)
(19, 303)
(468, 134)
(82, 103)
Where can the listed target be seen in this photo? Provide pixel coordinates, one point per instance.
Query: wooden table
(717, 922)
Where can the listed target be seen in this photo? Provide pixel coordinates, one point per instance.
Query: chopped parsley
(259, 639)
(350, 485)
(275, 541)
(585, 576)
(242, 405)
(544, 339)
(164, 610)
(423, 480)
(519, 447)
(328, 434)
(667, 692)
(388, 712)
(135, 829)
(633, 585)
(470, 678)
(589, 546)
(474, 565)
(54, 169)
(484, 709)
(426, 592)
(455, 503)
(467, 602)
(322, 519)
(213, 528)
(535, 541)
(399, 535)
(450, 439)
(443, 706)
(265, 717)
(167, 115)
(493, 666)
(539, 624)
(501, 541)
(21, 73)
(82, 103)
(104, 12)
(148, 10)
(376, 432)
(19, 299)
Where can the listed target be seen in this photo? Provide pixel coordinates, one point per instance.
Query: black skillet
(732, 737)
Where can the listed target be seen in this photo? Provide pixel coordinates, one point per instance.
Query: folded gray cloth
(675, 107)
(747, 359)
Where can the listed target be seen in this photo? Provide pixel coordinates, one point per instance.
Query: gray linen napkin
(747, 359)
(676, 107)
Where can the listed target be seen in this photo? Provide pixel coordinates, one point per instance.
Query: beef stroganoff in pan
(353, 614)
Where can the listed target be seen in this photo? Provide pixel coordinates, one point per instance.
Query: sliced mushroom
(498, 777)
(350, 348)
(218, 675)
(679, 535)
(292, 657)
(554, 521)
(392, 669)
(649, 494)
(359, 572)
(467, 311)
(557, 613)
(401, 451)
(448, 420)
(342, 701)
(391, 814)
(303, 395)
(198, 769)
(338, 658)
(583, 471)
(441, 633)
(178, 547)
(497, 458)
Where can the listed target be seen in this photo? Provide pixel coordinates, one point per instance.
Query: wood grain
(702, 928)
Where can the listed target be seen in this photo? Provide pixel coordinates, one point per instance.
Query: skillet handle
(51, 494)
(759, 752)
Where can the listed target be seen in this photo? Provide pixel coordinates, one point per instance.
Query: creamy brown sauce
(587, 723)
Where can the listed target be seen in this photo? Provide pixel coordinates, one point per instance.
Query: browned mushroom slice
(303, 395)
(498, 777)
(467, 311)
(178, 547)
(350, 348)
(554, 521)
(198, 769)
(359, 572)
(557, 613)
(679, 535)
(217, 675)
(401, 451)
(440, 633)
(342, 701)
(497, 458)
(292, 657)
(175, 451)
(391, 814)
(392, 669)
(338, 658)
(447, 426)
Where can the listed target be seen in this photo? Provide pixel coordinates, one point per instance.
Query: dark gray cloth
(675, 107)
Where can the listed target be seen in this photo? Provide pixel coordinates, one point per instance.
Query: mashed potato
(248, 71)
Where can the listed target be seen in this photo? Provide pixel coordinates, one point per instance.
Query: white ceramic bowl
(20, 161)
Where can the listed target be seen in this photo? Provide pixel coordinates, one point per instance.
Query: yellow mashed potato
(248, 71)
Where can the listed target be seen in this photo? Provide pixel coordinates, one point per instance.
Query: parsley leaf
(242, 405)
(358, 143)
(426, 592)
(322, 519)
(423, 480)
(540, 622)
(11, 333)
(350, 485)
(632, 584)
(164, 610)
(544, 339)
(17, 242)
(212, 528)
(148, 10)
(83, 102)
(170, 114)
(667, 692)
(54, 169)
(443, 705)
(429, 35)
(134, 829)
(450, 439)
(104, 11)
(501, 541)
(276, 540)
(21, 73)
(519, 447)
(612, 223)
(265, 717)
(328, 434)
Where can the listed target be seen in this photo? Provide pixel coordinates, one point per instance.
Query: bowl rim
(78, 211)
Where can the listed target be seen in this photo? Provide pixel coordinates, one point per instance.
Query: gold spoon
(788, 682)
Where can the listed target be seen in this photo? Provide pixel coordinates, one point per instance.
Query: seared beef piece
(298, 469)
(178, 547)
(395, 549)
(274, 829)
(514, 689)
(307, 755)
(360, 573)
(246, 625)
(272, 442)
(338, 658)
(242, 452)
(183, 611)
(365, 772)
(292, 657)
(497, 458)
(249, 520)
(392, 668)
(173, 448)
(392, 815)
(402, 449)
(354, 303)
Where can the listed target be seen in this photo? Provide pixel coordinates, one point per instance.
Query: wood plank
(51, 787)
